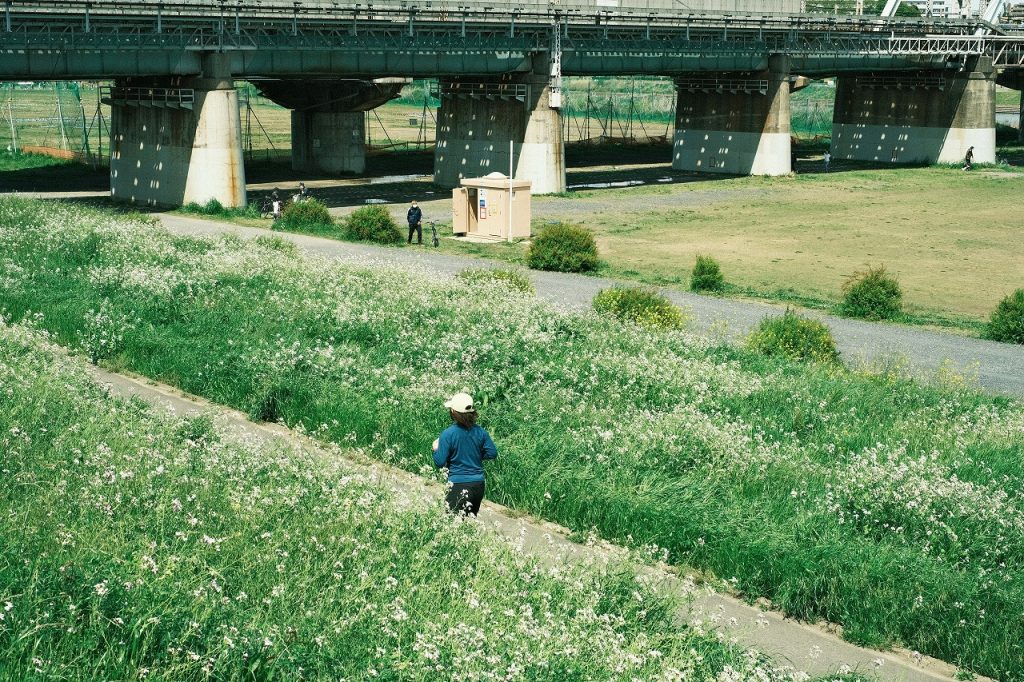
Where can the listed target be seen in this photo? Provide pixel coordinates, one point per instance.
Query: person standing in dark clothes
(415, 218)
(462, 449)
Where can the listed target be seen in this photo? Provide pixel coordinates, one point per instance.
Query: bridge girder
(62, 40)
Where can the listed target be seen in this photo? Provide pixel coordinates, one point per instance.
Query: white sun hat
(460, 402)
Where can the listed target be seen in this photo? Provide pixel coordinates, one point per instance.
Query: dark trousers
(418, 229)
(465, 498)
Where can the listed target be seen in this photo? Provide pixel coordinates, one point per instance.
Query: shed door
(460, 210)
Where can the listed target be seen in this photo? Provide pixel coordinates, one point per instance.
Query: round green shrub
(641, 306)
(872, 295)
(308, 215)
(511, 278)
(1007, 321)
(706, 275)
(563, 248)
(372, 224)
(794, 337)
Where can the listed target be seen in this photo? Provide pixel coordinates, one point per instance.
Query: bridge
(908, 89)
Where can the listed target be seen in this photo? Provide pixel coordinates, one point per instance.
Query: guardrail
(480, 90)
(168, 98)
(224, 17)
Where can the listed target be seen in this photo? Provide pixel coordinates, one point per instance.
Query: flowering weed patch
(887, 506)
(140, 546)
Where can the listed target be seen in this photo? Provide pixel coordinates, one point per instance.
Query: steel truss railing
(171, 98)
(718, 85)
(902, 81)
(481, 90)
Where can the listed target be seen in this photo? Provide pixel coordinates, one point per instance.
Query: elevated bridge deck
(77, 39)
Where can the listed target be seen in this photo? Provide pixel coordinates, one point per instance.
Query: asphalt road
(997, 367)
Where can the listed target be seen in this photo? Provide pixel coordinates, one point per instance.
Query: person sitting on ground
(462, 449)
(969, 159)
(303, 194)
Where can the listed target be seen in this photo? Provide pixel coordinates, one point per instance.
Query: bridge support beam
(477, 121)
(734, 123)
(916, 117)
(329, 143)
(176, 142)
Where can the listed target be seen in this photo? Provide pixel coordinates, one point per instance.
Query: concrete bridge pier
(328, 121)
(477, 120)
(916, 117)
(735, 123)
(329, 142)
(176, 141)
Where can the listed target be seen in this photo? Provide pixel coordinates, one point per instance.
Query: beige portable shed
(480, 207)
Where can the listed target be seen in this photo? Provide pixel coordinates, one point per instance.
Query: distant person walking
(969, 159)
(415, 219)
(462, 448)
(827, 159)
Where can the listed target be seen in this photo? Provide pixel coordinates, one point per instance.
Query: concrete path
(999, 367)
(808, 648)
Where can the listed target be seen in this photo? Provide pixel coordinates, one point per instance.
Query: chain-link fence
(64, 119)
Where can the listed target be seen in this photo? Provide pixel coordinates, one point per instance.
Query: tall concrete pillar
(479, 118)
(177, 141)
(329, 142)
(916, 117)
(734, 123)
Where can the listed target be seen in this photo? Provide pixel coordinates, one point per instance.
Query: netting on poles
(64, 119)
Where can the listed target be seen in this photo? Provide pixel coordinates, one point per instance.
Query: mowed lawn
(952, 238)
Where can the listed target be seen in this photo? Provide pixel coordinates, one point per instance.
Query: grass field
(892, 508)
(949, 236)
(170, 549)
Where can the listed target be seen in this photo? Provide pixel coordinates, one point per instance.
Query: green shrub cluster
(794, 337)
(372, 224)
(510, 278)
(308, 215)
(872, 295)
(706, 275)
(1007, 321)
(213, 207)
(563, 247)
(641, 306)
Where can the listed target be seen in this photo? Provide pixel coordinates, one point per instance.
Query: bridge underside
(85, 64)
(328, 125)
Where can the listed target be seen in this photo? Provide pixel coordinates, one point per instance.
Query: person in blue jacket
(462, 448)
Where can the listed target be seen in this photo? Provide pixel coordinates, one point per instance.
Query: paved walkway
(812, 649)
(999, 367)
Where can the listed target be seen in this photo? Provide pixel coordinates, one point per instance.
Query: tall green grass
(141, 546)
(890, 507)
